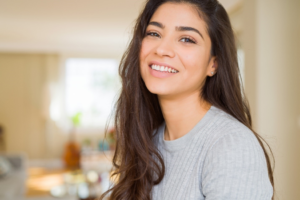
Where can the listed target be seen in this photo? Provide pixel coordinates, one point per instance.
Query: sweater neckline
(179, 143)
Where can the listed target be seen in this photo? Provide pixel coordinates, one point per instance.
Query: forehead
(179, 14)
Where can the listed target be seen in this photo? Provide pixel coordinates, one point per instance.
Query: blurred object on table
(72, 148)
(109, 142)
(65, 183)
(12, 183)
(111, 138)
(72, 155)
(99, 161)
(88, 182)
(103, 145)
(5, 167)
(86, 145)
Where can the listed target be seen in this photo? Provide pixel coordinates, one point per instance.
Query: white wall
(271, 32)
(22, 79)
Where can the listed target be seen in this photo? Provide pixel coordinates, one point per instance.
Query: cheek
(145, 49)
(192, 59)
(144, 52)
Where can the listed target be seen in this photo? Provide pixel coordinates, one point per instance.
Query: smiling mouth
(163, 69)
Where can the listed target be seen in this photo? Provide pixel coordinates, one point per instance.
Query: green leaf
(76, 119)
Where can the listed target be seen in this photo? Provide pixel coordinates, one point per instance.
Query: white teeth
(163, 69)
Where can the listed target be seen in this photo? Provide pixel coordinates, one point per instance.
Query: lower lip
(159, 74)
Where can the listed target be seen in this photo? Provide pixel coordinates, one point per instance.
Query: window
(91, 89)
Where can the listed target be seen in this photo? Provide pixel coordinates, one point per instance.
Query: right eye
(151, 33)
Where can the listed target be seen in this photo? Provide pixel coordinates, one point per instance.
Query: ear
(212, 66)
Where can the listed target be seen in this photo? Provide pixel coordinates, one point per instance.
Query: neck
(181, 114)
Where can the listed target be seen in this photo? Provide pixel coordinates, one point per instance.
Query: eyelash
(191, 40)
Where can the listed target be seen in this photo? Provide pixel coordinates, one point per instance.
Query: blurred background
(59, 80)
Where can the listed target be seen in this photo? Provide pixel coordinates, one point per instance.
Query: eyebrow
(178, 28)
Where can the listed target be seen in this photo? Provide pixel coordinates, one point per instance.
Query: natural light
(91, 89)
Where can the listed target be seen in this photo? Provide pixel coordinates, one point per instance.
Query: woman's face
(176, 38)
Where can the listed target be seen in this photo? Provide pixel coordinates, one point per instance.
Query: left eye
(187, 40)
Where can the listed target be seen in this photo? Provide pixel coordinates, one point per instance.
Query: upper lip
(161, 64)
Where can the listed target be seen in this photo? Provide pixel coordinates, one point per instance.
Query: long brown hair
(137, 162)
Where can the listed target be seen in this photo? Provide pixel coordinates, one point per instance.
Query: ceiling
(70, 26)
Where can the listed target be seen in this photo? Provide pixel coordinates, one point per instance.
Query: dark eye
(154, 34)
(189, 40)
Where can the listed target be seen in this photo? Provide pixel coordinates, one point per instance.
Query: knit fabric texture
(219, 159)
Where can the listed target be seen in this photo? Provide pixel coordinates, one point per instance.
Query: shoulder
(234, 164)
(225, 126)
(230, 138)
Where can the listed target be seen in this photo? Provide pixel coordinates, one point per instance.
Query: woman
(183, 124)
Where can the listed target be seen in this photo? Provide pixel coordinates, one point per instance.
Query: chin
(158, 89)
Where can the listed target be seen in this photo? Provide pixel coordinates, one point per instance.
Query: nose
(165, 48)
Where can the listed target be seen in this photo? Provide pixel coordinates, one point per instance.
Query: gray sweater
(219, 159)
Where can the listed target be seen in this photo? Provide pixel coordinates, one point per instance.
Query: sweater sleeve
(235, 169)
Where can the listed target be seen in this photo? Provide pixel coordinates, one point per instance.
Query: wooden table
(41, 180)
